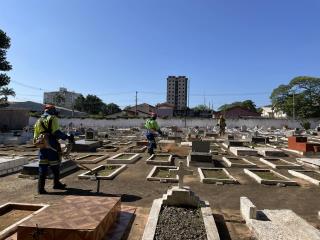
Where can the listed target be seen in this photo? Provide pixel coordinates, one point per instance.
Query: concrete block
(200, 146)
(247, 209)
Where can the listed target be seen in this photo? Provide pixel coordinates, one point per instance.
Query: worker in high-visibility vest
(222, 125)
(46, 136)
(152, 129)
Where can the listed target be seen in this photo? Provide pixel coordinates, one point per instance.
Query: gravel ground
(180, 223)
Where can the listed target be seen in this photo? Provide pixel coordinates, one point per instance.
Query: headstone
(90, 135)
(243, 128)
(200, 146)
(181, 172)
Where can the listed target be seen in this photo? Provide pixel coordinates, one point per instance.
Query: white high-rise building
(177, 91)
(61, 98)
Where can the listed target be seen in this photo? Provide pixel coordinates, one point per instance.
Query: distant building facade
(177, 91)
(61, 98)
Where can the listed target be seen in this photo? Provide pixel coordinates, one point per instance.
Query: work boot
(59, 185)
(41, 184)
(42, 191)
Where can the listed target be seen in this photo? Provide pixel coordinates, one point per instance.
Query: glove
(71, 138)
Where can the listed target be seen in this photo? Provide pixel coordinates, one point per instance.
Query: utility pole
(136, 103)
(293, 108)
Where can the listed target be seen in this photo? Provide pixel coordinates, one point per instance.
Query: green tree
(248, 104)
(301, 96)
(93, 104)
(79, 103)
(110, 108)
(201, 108)
(4, 67)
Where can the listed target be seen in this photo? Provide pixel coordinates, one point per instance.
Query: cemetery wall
(123, 123)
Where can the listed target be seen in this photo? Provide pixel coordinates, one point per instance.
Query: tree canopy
(4, 67)
(201, 108)
(94, 105)
(248, 104)
(301, 95)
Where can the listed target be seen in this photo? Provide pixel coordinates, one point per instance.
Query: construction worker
(46, 137)
(152, 130)
(222, 125)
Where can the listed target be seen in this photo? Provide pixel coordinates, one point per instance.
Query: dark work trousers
(152, 142)
(43, 173)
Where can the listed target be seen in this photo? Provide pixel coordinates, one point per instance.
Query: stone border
(142, 149)
(13, 165)
(208, 221)
(94, 161)
(167, 162)
(103, 149)
(299, 174)
(124, 143)
(287, 181)
(86, 175)
(251, 151)
(290, 165)
(231, 164)
(150, 176)
(133, 159)
(13, 228)
(307, 163)
(204, 179)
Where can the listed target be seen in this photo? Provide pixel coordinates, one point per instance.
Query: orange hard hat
(49, 106)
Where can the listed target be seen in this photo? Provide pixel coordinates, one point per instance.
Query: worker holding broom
(152, 130)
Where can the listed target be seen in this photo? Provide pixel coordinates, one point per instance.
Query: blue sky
(229, 49)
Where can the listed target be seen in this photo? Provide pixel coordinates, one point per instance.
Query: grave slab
(31, 170)
(312, 162)
(108, 148)
(160, 159)
(88, 218)
(238, 162)
(86, 146)
(279, 163)
(215, 175)
(281, 225)
(136, 149)
(107, 172)
(269, 177)
(91, 159)
(124, 158)
(12, 214)
(270, 152)
(200, 146)
(12, 164)
(162, 174)
(308, 175)
(181, 197)
(243, 151)
(198, 158)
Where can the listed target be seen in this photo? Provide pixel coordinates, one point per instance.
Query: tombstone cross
(181, 172)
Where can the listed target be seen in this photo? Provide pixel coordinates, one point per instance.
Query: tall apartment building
(177, 91)
(61, 98)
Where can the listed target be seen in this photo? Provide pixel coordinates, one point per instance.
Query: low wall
(13, 119)
(123, 123)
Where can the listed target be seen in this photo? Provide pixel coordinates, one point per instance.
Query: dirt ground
(136, 191)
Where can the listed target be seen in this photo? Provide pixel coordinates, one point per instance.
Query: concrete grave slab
(180, 197)
(104, 172)
(162, 174)
(31, 170)
(279, 163)
(201, 146)
(269, 177)
(88, 217)
(12, 164)
(91, 158)
(312, 162)
(12, 214)
(237, 162)
(199, 158)
(308, 175)
(270, 152)
(160, 159)
(215, 175)
(243, 151)
(276, 224)
(136, 149)
(108, 148)
(86, 146)
(124, 158)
